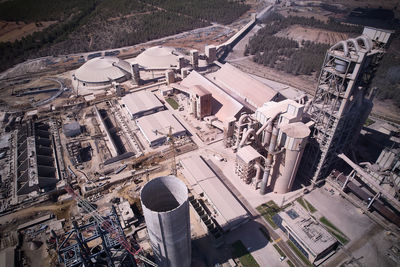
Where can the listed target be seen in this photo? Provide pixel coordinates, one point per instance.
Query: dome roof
(158, 57)
(100, 70)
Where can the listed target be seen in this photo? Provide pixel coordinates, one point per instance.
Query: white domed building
(159, 58)
(102, 71)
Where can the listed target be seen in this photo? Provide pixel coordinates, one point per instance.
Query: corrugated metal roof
(241, 85)
(140, 102)
(248, 153)
(223, 105)
(156, 126)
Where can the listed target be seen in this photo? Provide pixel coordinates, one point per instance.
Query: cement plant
(180, 153)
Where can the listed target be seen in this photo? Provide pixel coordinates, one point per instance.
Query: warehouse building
(316, 243)
(223, 106)
(155, 127)
(229, 213)
(141, 103)
(250, 92)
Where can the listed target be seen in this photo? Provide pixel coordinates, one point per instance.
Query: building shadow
(252, 235)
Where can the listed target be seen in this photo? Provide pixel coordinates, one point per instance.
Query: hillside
(90, 25)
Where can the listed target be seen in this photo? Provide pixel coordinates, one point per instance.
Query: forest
(220, 11)
(306, 58)
(90, 25)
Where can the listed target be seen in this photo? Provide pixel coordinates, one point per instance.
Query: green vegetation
(290, 263)
(286, 54)
(266, 234)
(387, 77)
(172, 103)
(304, 202)
(92, 25)
(241, 252)
(368, 122)
(334, 230)
(41, 10)
(279, 251)
(307, 57)
(298, 253)
(221, 11)
(268, 210)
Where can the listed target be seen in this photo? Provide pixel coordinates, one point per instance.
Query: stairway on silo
(212, 226)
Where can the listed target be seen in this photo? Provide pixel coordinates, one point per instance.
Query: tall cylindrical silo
(296, 137)
(166, 211)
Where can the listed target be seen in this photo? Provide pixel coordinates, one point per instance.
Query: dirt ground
(300, 33)
(11, 31)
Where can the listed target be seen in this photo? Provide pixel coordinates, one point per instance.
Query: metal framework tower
(341, 103)
(74, 250)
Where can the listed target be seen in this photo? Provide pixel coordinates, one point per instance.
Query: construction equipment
(115, 234)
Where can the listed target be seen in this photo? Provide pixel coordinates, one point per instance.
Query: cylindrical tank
(340, 65)
(296, 137)
(166, 212)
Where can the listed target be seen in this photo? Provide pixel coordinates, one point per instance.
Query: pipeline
(367, 42)
(240, 124)
(269, 121)
(256, 179)
(342, 44)
(272, 144)
(355, 44)
(246, 136)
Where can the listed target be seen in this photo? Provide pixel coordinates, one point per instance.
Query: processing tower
(166, 212)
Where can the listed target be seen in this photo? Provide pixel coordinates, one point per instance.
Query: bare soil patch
(11, 31)
(299, 33)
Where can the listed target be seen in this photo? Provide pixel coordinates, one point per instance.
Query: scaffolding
(73, 247)
(343, 99)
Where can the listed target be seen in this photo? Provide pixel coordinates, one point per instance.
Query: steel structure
(118, 250)
(342, 101)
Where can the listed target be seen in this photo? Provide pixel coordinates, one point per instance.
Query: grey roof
(158, 57)
(311, 234)
(248, 153)
(241, 85)
(203, 179)
(156, 126)
(140, 102)
(100, 70)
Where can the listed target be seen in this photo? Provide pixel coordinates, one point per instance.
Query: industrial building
(223, 105)
(343, 99)
(314, 241)
(141, 103)
(229, 213)
(102, 71)
(247, 164)
(166, 211)
(159, 58)
(201, 102)
(91, 244)
(35, 167)
(156, 127)
(250, 92)
(276, 132)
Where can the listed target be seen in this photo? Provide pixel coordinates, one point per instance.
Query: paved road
(256, 216)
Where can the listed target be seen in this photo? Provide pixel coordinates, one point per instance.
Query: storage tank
(295, 135)
(166, 212)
